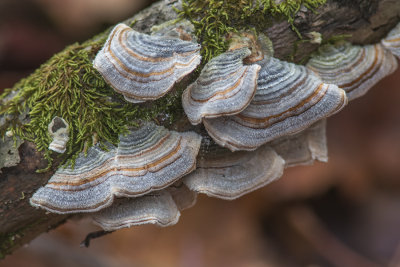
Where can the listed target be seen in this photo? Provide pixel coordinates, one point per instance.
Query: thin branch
(20, 223)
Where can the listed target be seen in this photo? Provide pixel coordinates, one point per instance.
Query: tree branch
(367, 20)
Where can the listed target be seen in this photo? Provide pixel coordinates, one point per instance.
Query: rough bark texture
(367, 20)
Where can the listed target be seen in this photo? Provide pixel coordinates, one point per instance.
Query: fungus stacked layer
(271, 113)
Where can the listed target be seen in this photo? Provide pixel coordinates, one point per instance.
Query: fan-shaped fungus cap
(392, 41)
(156, 208)
(58, 129)
(184, 197)
(144, 67)
(229, 175)
(147, 159)
(289, 98)
(83, 188)
(153, 158)
(353, 68)
(161, 208)
(305, 147)
(224, 87)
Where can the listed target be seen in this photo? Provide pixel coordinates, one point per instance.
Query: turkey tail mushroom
(147, 159)
(229, 175)
(289, 98)
(161, 208)
(145, 67)
(353, 68)
(156, 208)
(224, 87)
(392, 41)
(305, 147)
(182, 195)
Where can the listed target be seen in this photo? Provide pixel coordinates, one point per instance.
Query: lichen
(213, 19)
(68, 86)
(9, 155)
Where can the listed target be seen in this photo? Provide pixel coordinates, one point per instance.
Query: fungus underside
(213, 19)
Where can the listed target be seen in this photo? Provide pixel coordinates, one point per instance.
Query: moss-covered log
(64, 76)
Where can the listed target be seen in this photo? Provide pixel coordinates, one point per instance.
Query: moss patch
(9, 241)
(69, 87)
(6, 242)
(213, 19)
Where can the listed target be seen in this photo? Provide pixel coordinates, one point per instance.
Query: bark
(367, 20)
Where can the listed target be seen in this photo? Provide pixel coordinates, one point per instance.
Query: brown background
(345, 212)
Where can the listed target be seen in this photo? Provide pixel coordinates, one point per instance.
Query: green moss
(336, 38)
(69, 87)
(213, 19)
(6, 242)
(9, 241)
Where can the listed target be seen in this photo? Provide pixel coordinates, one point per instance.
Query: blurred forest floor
(343, 213)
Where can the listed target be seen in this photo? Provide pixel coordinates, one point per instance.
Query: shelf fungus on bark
(156, 208)
(184, 197)
(289, 98)
(145, 67)
(59, 131)
(355, 69)
(161, 208)
(147, 159)
(224, 87)
(245, 99)
(305, 147)
(229, 175)
(392, 41)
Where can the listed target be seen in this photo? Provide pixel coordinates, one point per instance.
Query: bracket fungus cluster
(261, 114)
(223, 174)
(225, 87)
(353, 68)
(147, 159)
(289, 98)
(229, 175)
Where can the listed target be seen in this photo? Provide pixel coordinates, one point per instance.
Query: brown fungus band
(289, 98)
(147, 159)
(246, 99)
(353, 68)
(225, 87)
(145, 67)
